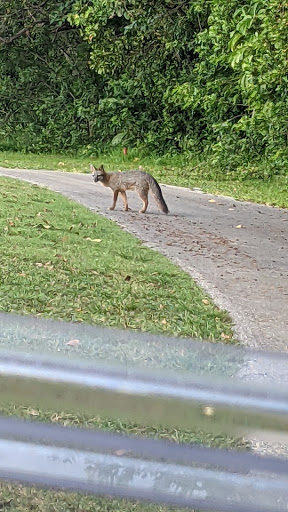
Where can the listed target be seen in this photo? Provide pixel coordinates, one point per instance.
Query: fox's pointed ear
(101, 168)
(92, 168)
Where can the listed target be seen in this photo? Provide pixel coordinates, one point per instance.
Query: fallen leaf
(205, 301)
(231, 209)
(55, 417)
(42, 226)
(120, 452)
(61, 163)
(208, 411)
(32, 412)
(93, 239)
(127, 278)
(239, 226)
(164, 321)
(225, 336)
(212, 201)
(73, 343)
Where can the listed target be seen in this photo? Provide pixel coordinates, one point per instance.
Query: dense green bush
(48, 94)
(208, 76)
(241, 81)
(143, 49)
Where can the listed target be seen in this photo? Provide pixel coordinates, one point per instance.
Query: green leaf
(118, 139)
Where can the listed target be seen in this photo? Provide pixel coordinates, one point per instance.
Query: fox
(138, 180)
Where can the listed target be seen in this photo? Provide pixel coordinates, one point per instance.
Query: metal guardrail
(146, 469)
(179, 384)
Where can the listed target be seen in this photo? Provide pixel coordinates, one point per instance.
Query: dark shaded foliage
(208, 76)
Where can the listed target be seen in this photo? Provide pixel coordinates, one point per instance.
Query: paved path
(238, 252)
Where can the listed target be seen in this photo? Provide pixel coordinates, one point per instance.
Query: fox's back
(130, 179)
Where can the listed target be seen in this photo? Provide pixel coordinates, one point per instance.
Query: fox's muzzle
(95, 177)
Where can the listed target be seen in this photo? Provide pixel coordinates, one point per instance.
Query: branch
(66, 28)
(9, 40)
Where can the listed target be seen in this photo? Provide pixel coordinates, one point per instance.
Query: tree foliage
(143, 49)
(241, 80)
(47, 89)
(199, 75)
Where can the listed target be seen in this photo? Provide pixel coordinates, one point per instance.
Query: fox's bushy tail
(157, 194)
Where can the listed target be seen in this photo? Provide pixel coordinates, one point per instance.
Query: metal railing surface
(152, 380)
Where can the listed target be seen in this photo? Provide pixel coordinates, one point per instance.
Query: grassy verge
(180, 170)
(59, 260)
(50, 245)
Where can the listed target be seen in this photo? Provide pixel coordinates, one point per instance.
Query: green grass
(183, 170)
(16, 498)
(59, 260)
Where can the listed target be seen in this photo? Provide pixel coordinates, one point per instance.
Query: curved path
(237, 252)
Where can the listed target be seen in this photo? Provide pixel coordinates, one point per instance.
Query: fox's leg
(125, 202)
(143, 194)
(115, 196)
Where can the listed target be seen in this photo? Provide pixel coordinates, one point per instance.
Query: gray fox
(139, 180)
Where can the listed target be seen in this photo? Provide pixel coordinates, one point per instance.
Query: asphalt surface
(237, 252)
